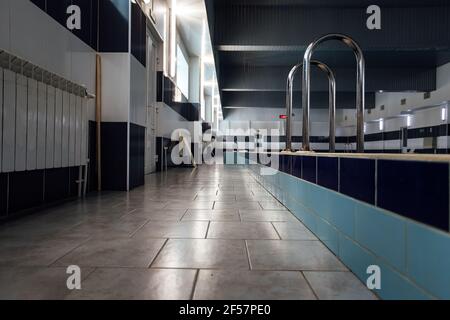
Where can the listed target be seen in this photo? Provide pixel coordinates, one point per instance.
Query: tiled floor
(209, 233)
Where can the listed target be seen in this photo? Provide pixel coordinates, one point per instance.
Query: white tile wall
(32, 124)
(21, 123)
(9, 120)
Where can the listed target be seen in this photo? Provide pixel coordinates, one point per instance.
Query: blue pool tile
(301, 192)
(428, 259)
(328, 235)
(327, 172)
(393, 284)
(309, 169)
(342, 213)
(417, 190)
(357, 179)
(355, 257)
(382, 233)
(396, 286)
(318, 200)
(305, 216)
(297, 166)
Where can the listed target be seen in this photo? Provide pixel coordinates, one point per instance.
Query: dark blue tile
(357, 179)
(309, 169)
(285, 164)
(297, 166)
(417, 190)
(327, 172)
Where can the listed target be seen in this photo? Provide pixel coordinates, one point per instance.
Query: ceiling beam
(274, 79)
(277, 99)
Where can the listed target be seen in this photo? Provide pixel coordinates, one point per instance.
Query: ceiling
(256, 42)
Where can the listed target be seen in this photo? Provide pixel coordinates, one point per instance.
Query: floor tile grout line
(271, 222)
(194, 286)
(157, 254)
(70, 251)
(309, 284)
(207, 229)
(140, 228)
(182, 217)
(248, 255)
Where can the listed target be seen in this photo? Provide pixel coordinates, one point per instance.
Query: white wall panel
(115, 87)
(58, 127)
(32, 124)
(21, 123)
(65, 129)
(72, 129)
(41, 124)
(50, 137)
(4, 24)
(84, 133)
(78, 131)
(38, 38)
(9, 120)
(1, 115)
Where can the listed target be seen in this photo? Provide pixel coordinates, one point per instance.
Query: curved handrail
(360, 86)
(332, 103)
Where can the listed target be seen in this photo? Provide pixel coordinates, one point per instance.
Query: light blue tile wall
(428, 258)
(382, 233)
(414, 259)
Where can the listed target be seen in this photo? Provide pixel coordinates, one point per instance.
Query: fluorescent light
(408, 120)
(381, 125)
(444, 113)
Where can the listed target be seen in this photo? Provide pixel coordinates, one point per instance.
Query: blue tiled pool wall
(414, 258)
(413, 189)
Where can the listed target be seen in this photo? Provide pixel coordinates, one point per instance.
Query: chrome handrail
(331, 101)
(360, 87)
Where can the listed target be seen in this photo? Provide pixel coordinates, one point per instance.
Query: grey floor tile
(137, 253)
(121, 228)
(159, 215)
(292, 255)
(137, 284)
(241, 230)
(293, 231)
(190, 205)
(221, 205)
(272, 205)
(212, 215)
(36, 251)
(203, 254)
(267, 215)
(36, 283)
(251, 285)
(338, 286)
(170, 229)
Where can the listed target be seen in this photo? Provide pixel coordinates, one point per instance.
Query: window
(182, 73)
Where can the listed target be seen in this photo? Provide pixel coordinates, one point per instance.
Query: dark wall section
(167, 91)
(26, 191)
(114, 155)
(92, 153)
(138, 34)
(104, 23)
(113, 26)
(137, 155)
